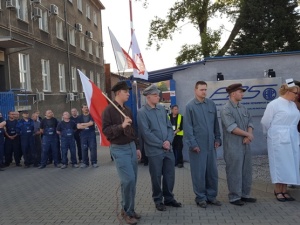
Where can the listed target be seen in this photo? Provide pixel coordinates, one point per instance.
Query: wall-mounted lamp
(220, 76)
(271, 73)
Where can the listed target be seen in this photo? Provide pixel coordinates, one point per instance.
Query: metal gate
(7, 103)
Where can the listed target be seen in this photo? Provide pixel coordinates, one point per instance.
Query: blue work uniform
(88, 140)
(1, 143)
(77, 138)
(12, 145)
(49, 141)
(25, 130)
(67, 140)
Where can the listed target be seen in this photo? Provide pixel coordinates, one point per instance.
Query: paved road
(89, 196)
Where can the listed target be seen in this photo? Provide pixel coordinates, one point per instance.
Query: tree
(198, 13)
(162, 86)
(267, 26)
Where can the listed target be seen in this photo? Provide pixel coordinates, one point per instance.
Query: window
(24, 70)
(92, 76)
(88, 11)
(46, 75)
(98, 80)
(61, 77)
(74, 79)
(43, 21)
(95, 18)
(22, 11)
(82, 43)
(91, 47)
(97, 52)
(79, 5)
(72, 36)
(59, 29)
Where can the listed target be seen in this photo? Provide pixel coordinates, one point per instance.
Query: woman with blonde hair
(280, 122)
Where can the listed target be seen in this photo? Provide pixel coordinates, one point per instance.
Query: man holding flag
(117, 127)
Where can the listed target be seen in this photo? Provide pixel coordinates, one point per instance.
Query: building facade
(42, 44)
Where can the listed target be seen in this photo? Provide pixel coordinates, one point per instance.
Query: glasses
(296, 93)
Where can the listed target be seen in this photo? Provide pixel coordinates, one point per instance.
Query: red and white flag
(124, 61)
(141, 72)
(96, 103)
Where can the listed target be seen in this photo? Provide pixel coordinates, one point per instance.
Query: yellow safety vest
(180, 133)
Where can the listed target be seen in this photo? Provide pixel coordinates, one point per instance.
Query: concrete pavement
(90, 196)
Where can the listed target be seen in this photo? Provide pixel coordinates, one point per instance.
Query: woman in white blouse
(280, 122)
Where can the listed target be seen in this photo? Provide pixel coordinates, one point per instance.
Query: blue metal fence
(7, 103)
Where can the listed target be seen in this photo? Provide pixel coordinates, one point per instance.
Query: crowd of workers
(41, 141)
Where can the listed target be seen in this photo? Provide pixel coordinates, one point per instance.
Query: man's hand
(250, 136)
(196, 149)
(246, 141)
(217, 144)
(127, 122)
(138, 154)
(167, 145)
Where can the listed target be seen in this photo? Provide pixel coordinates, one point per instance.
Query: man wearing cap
(202, 136)
(124, 148)
(2, 131)
(157, 133)
(25, 128)
(237, 135)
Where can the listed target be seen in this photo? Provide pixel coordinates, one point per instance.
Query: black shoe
(237, 202)
(27, 166)
(2, 169)
(41, 167)
(160, 207)
(180, 165)
(202, 204)
(215, 202)
(173, 203)
(252, 200)
(18, 165)
(145, 164)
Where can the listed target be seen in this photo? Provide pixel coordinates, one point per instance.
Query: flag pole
(114, 104)
(114, 52)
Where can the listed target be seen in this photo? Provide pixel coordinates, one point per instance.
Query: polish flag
(96, 103)
(124, 61)
(141, 72)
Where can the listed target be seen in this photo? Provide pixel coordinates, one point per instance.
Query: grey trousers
(239, 172)
(162, 166)
(204, 174)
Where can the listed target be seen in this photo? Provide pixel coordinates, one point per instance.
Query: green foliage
(197, 13)
(162, 86)
(268, 26)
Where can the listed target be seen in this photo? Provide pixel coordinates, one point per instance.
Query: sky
(116, 16)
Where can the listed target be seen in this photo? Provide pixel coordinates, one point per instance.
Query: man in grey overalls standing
(237, 135)
(157, 133)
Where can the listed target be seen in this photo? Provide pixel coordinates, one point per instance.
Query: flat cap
(234, 87)
(25, 112)
(122, 85)
(151, 90)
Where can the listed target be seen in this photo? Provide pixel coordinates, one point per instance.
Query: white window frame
(22, 11)
(46, 75)
(98, 82)
(90, 47)
(88, 11)
(82, 42)
(92, 78)
(97, 52)
(79, 5)
(62, 77)
(24, 72)
(43, 21)
(95, 17)
(72, 36)
(74, 79)
(59, 29)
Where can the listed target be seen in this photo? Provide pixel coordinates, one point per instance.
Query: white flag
(123, 60)
(138, 59)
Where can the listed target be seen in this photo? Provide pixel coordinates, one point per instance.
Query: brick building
(42, 44)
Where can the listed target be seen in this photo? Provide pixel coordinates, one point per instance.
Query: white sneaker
(95, 165)
(63, 166)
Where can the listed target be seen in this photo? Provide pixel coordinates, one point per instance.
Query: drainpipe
(68, 49)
